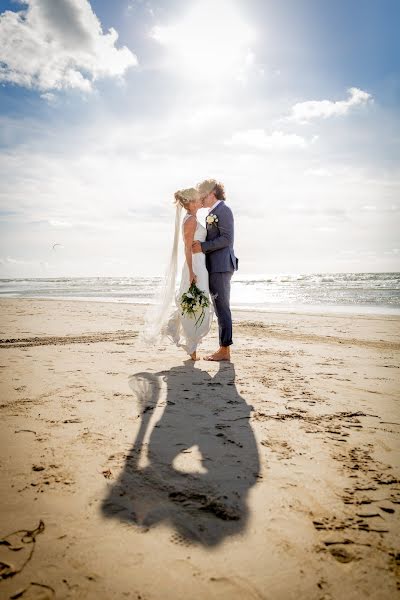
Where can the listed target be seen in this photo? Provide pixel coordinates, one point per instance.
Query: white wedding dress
(182, 329)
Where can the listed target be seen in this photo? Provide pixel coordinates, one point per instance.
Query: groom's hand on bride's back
(196, 247)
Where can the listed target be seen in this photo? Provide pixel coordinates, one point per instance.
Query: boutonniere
(212, 219)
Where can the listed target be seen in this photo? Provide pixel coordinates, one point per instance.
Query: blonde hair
(186, 196)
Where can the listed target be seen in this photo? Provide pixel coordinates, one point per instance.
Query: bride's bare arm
(189, 229)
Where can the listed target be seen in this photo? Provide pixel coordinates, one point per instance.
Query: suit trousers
(220, 289)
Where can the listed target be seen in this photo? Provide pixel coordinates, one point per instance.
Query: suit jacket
(218, 247)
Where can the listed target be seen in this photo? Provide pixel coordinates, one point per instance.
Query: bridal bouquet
(193, 301)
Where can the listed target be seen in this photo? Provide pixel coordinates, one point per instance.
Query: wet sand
(131, 473)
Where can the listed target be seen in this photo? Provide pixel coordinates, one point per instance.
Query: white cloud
(61, 224)
(58, 45)
(319, 172)
(259, 139)
(314, 109)
(49, 97)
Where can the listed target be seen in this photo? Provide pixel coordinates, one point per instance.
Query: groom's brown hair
(219, 191)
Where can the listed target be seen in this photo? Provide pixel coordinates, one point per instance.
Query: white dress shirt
(214, 206)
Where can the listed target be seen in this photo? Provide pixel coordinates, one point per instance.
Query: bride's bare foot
(222, 354)
(193, 356)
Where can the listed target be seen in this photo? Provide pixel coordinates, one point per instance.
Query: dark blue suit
(221, 262)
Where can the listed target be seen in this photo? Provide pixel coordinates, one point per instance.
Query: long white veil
(157, 316)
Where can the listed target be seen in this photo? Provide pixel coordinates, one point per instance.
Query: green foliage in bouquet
(194, 301)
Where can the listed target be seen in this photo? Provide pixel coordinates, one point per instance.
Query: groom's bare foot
(222, 354)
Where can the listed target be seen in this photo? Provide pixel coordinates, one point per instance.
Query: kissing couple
(209, 264)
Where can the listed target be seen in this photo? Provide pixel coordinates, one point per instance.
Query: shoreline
(317, 310)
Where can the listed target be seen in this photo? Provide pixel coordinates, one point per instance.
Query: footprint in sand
(35, 591)
(341, 554)
(234, 588)
(16, 550)
(281, 448)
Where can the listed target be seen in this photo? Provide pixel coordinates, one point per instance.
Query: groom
(221, 261)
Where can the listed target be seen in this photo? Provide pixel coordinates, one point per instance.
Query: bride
(183, 329)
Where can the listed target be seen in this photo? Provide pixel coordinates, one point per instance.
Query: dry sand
(133, 474)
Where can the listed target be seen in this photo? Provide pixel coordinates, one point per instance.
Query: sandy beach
(129, 473)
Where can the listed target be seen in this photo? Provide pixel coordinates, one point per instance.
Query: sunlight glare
(210, 43)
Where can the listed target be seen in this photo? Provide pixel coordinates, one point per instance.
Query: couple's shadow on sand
(204, 423)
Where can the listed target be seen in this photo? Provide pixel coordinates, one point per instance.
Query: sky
(107, 108)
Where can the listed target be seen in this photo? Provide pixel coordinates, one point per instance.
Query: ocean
(320, 292)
